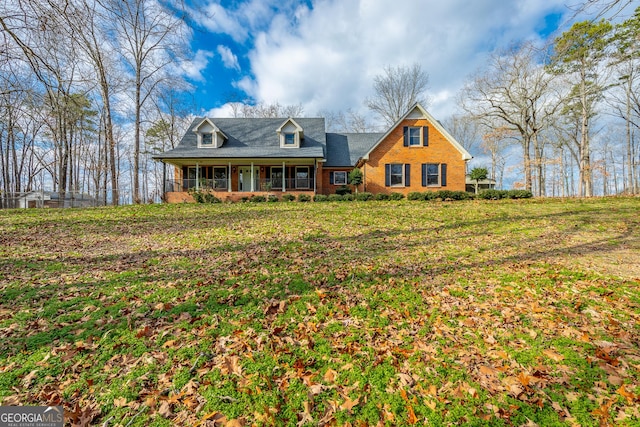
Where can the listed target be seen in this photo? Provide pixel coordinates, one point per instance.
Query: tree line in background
(573, 105)
(80, 83)
(91, 89)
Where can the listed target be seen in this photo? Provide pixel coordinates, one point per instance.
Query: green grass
(371, 313)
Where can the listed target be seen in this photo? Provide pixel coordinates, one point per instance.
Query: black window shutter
(424, 174)
(331, 178)
(425, 136)
(443, 174)
(387, 175)
(407, 175)
(405, 131)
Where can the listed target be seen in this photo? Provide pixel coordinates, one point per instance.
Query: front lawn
(361, 313)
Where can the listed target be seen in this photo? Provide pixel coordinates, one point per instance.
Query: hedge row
(204, 197)
(505, 194)
(440, 195)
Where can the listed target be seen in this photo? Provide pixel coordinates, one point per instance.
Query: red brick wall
(327, 187)
(392, 150)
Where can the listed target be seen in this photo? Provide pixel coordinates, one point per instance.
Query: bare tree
(517, 93)
(265, 110)
(87, 26)
(150, 38)
(465, 129)
(396, 90)
(494, 143)
(604, 7)
(626, 102)
(348, 122)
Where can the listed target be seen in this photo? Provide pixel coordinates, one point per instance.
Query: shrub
(288, 197)
(460, 195)
(431, 195)
(342, 190)
(396, 196)
(382, 196)
(348, 197)
(320, 198)
(364, 196)
(204, 197)
(272, 198)
(520, 194)
(492, 194)
(415, 195)
(257, 199)
(304, 198)
(445, 194)
(335, 198)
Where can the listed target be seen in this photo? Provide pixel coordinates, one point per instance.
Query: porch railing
(274, 184)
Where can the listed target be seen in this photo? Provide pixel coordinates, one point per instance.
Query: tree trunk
(630, 177)
(136, 146)
(526, 147)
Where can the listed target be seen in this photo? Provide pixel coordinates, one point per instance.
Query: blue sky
(324, 54)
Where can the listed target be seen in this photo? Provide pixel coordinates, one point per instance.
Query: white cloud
(193, 68)
(229, 59)
(325, 57)
(242, 19)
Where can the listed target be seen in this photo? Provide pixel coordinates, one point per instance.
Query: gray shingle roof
(252, 138)
(344, 149)
(257, 138)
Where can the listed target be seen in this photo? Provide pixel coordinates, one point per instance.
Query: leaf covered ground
(369, 313)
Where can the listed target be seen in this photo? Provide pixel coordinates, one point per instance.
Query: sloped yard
(348, 313)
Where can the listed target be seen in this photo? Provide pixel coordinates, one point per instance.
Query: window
(207, 139)
(289, 139)
(434, 174)
(302, 177)
(339, 178)
(395, 175)
(414, 137)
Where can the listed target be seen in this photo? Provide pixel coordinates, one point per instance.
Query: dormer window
(290, 134)
(209, 135)
(207, 139)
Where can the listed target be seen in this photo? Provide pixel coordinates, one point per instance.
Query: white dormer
(290, 134)
(208, 134)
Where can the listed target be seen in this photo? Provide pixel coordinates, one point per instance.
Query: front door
(244, 178)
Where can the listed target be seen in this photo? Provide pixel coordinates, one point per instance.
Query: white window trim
(335, 180)
(214, 140)
(438, 184)
(420, 136)
(402, 184)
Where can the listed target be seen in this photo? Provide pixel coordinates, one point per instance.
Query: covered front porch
(241, 178)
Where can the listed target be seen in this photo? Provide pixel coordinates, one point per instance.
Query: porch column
(252, 179)
(229, 178)
(197, 177)
(315, 176)
(284, 177)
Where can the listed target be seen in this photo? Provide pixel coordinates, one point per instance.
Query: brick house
(240, 157)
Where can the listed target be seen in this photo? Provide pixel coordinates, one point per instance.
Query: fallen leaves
(235, 316)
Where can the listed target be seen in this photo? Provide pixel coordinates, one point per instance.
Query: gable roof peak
(205, 120)
(421, 112)
(287, 121)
